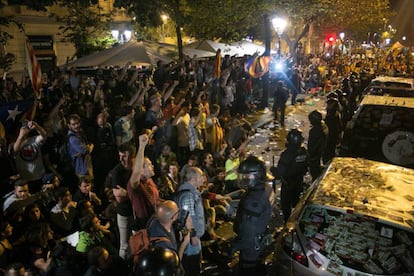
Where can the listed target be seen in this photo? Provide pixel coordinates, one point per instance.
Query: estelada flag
(257, 66)
(12, 113)
(35, 74)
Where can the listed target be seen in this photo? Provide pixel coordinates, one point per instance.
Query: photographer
(161, 228)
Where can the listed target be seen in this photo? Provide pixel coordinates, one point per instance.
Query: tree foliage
(226, 20)
(355, 17)
(80, 27)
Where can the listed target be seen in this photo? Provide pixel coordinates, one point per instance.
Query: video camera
(180, 222)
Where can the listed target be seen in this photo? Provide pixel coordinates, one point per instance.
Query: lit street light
(164, 19)
(279, 24)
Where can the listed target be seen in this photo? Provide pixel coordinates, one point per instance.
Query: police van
(381, 129)
(356, 219)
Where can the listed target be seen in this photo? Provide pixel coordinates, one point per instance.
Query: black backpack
(65, 162)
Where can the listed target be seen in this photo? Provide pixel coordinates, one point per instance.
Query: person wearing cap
(50, 182)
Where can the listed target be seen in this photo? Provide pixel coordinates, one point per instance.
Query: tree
(148, 14)
(355, 17)
(7, 59)
(80, 27)
(229, 20)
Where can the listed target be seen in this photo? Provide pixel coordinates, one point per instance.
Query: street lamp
(279, 24)
(342, 36)
(164, 19)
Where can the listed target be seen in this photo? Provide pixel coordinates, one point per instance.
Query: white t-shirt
(29, 161)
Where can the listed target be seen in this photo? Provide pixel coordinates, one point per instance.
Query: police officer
(158, 261)
(281, 95)
(316, 143)
(292, 166)
(252, 218)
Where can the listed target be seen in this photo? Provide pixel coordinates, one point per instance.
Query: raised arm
(139, 161)
(169, 91)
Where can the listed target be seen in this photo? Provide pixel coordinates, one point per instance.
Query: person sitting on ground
(19, 198)
(85, 192)
(63, 214)
(6, 248)
(169, 181)
(191, 162)
(101, 263)
(91, 235)
(38, 254)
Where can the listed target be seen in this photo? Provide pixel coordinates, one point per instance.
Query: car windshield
(392, 84)
(382, 119)
(341, 241)
(393, 92)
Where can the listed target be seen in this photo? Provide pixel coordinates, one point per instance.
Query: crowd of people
(123, 150)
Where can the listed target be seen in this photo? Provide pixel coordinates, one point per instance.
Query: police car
(381, 129)
(356, 219)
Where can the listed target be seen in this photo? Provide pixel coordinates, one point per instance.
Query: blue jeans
(125, 230)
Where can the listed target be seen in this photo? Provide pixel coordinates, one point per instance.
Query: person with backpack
(161, 230)
(79, 150)
(188, 198)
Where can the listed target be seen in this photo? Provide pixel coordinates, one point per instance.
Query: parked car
(356, 219)
(390, 91)
(391, 82)
(381, 129)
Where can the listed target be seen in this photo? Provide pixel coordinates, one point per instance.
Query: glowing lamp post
(279, 24)
(164, 19)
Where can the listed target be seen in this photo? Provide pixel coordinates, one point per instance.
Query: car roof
(370, 188)
(387, 100)
(390, 81)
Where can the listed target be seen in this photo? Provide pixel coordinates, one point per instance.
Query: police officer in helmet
(291, 168)
(252, 218)
(157, 261)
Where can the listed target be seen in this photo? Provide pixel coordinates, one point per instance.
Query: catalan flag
(256, 66)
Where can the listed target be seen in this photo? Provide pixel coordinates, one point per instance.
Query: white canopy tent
(239, 49)
(135, 52)
(145, 53)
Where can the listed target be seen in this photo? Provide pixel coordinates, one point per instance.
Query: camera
(179, 224)
(25, 123)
